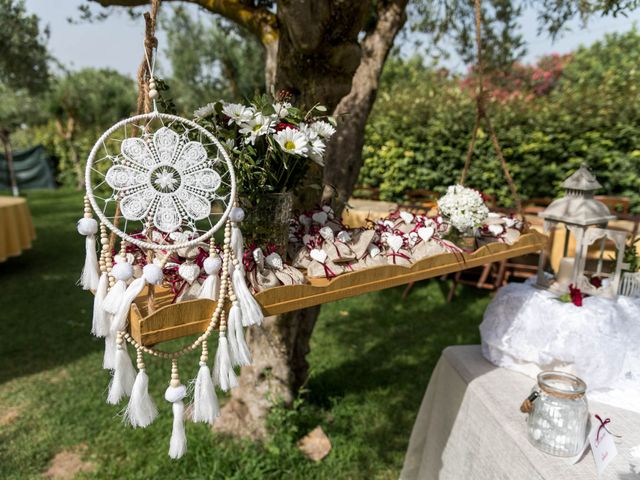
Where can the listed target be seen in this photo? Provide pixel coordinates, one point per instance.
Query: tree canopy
(24, 59)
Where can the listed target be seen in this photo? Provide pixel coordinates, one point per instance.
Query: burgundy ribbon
(603, 425)
(327, 271)
(397, 254)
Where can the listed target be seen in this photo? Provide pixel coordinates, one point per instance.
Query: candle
(565, 271)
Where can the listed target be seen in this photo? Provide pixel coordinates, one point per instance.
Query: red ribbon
(397, 254)
(603, 425)
(327, 271)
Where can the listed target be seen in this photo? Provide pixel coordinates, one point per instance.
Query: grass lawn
(371, 360)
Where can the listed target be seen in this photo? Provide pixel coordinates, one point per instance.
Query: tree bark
(344, 153)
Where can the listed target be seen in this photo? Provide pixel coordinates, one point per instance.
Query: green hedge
(419, 130)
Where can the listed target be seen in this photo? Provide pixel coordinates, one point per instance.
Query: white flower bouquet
(273, 143)
(463, 208)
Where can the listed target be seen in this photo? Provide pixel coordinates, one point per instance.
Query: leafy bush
(419, 131)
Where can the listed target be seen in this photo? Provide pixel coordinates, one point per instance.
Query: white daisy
(281, 109)
(257, 126)
(237, 113)
(324, 129)
(292, 141)
(207, 110)
(316, 151)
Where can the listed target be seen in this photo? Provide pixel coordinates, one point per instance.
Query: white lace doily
(528, 330)
(165, 173)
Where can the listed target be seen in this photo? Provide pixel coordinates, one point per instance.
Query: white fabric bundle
(178, 442)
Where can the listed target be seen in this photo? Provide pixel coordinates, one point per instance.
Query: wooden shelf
(192, 317)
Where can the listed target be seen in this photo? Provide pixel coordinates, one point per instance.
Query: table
(470, 427)
(16, 228)
(527, 329)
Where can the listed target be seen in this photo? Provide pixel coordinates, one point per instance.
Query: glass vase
(559, 414)
(267, 221)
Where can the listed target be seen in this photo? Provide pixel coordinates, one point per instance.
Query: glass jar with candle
(558, 414)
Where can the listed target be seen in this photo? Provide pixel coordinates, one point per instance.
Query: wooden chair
(617, 205)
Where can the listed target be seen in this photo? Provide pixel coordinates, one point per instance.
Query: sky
(117, 42)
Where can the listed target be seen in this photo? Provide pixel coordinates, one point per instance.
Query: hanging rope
(144, 104)
(481, 114)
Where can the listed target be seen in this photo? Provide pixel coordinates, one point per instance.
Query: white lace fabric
(528, 330)
(166, 178)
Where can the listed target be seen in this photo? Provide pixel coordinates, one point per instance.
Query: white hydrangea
(463, 207)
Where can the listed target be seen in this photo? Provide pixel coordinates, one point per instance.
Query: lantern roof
(582, 179)
(578, 207)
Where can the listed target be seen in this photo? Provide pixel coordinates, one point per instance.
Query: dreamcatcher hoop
(148, 117)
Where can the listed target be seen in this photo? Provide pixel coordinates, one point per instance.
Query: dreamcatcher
(161, 186)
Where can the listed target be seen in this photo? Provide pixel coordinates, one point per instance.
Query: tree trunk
(344, 77)
(5, 137)
(344, 153)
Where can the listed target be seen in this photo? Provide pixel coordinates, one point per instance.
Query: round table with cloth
(16, 228)
(528, 330)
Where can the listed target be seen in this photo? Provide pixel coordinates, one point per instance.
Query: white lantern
(586, 219)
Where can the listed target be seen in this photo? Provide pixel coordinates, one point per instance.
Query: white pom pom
(122, 271)
(212, 264)
(236, 214)
(152, 274)
(174, 394)
(87, 226)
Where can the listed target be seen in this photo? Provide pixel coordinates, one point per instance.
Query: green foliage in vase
(272, 143)
(550, 118)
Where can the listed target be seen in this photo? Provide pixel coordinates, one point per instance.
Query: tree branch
(258, 20)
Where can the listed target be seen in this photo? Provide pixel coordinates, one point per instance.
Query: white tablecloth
(469, 427)
(527, 329)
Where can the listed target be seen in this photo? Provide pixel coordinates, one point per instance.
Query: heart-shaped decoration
(510, 222)
(374, 251)
(425, 233)
(318, 255)
(407, 217)
(305, 220)
(344, 236)
(189, 271)
(395, 242)
(320, 217)
(258, 256)
(496, 230)
(327, 234)
(274, 261)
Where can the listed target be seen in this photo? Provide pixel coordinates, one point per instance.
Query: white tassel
(243, 355)
(121, 271)
(210, 287)
(223, 374)
(90, 273)
(109, 359)
(205, 401)
(251, 311)
(100, 322)
(231, 334)
(123, 376)
(175, 393)
(141, 411)
(133, 290)
(237, 242)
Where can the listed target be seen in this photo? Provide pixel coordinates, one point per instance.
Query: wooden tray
(192, 317)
